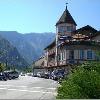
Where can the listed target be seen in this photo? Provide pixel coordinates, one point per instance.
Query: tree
(2, 67)
(28, 70)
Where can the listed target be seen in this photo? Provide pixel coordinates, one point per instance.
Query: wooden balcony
(88, 44)
(68, 62)
(74, 61)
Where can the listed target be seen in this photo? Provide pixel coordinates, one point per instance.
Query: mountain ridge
(30, 45)
(10, 55)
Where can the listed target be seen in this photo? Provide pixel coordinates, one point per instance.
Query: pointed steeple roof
(66, 18)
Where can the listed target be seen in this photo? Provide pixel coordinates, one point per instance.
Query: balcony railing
(83, 42)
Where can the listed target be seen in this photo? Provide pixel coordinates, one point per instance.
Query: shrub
(84, 82)
(69, 90)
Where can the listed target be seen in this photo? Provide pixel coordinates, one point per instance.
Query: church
(71, 46)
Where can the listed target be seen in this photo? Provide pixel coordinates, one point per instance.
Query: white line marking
(3, 88)
(26, 86)
(44, 88)
(5, 85)
(26, 90)
(11, 86)
(51, 88)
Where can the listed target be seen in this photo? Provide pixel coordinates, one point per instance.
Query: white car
(39, 74)
(29, 74)
(22, 74)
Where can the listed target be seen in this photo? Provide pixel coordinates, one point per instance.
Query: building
(71, 46)
(39, 62)
(38, 66)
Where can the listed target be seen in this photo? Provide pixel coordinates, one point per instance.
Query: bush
(84, 82)
(69, 90)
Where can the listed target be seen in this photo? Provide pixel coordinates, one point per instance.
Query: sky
(40, 16)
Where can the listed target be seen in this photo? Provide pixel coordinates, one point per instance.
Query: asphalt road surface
(27, 87)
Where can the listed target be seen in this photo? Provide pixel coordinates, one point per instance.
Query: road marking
(27, 90)
(44, 88)
(26, 87)
(51, 88)
(11, 86)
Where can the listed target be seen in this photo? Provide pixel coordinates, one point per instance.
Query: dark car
(3, 76)
(7, 75)
(47, 75)
(11, 74)
(57, 74)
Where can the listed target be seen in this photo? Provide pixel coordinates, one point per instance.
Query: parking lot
(28, 87)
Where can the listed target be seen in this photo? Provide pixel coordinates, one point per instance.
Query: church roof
(66, 18)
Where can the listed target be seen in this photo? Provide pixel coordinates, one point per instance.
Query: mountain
(39, 41)
(10, 55)
(29, 45)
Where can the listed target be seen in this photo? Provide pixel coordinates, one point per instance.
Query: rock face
(29, 45)
(10, 55)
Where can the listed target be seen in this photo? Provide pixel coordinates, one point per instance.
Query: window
(69, 28)
(61, 56)
(89, 54)
(71, 54)
(63, 29)
(81, 54)
(64, 54)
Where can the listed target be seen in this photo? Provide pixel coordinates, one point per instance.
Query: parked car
(7, 75)
(41, 74)
(11, 74)
(35, 75)
(57, 74)
(47, 75)
(22, 74)
(3, 76)
(38, 74)
(29, 74)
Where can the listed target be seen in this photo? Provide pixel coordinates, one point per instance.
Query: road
(27, 87)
